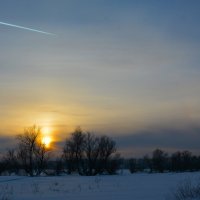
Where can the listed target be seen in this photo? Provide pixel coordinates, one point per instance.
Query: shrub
(187, 191)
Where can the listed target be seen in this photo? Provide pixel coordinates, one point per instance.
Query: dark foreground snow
(119, 187)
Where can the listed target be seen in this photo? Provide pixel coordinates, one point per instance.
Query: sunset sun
(46, 138)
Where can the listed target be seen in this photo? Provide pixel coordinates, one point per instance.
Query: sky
(127, 69)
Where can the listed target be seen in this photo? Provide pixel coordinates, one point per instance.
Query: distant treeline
(160, 161)
(86, 154)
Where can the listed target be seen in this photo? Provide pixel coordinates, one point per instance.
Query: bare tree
(159, 160)
(31, 153)
(42, 156)
(10, 161)
(132, 165)
(176, 161)
(107, 147)
(148, 163)
(186, 160)
(69, 156)
(91, 153)
(73, 150)
(58, 168)
(88, 154)
(114, 164)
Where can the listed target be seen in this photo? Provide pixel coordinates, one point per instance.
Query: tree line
(161, 161)
(86, 154)
(83, 153)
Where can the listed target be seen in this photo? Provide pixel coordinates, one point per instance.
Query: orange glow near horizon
(46, 136)
(46, 130)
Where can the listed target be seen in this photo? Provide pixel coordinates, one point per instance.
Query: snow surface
(140, 186)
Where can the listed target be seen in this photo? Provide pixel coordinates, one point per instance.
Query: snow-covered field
(126, 186)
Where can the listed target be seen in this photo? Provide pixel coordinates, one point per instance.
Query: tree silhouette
(89, 155)
(32, 154)
(10, 161)
(159, 159)
(73, 150)
(107, 147)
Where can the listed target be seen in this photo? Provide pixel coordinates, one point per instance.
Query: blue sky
(121, 68)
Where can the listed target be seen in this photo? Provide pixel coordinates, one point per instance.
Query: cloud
(169, 138)
(114, 68)
(6, 142)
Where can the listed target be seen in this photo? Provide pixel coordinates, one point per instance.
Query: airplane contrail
(26, 28)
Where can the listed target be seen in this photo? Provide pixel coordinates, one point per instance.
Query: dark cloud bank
(142, 142)
(170, 139)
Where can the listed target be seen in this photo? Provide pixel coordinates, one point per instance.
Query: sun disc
(46, 141)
